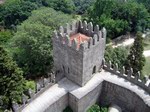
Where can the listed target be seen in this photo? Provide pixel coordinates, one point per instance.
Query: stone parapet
(136, 79)
(41, 86)
(64, 33)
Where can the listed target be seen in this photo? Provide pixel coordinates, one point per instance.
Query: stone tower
(78, 50)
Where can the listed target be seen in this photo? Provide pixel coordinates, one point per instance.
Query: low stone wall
(59, 105)
(124, 98)
(104, 88)
(89, 99)
(83, 103)
(129, 76)
(82, 98)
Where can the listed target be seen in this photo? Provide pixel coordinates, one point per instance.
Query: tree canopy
(14, 12)
(136, 59)
(66, 6)
(119, 18)
(11, 79)
(31, 44)
(81, 6)
(145, 2)
(5, 36)
(116, 55)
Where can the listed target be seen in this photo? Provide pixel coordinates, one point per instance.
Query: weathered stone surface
(103, 88)
(24, 99)
(78, 65)
(114, 108)
(46, 81)
(31, 93)
(38, 87)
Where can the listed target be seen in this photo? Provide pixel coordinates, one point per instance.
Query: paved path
(58, 90)
(129, 42)
(146, 53)
(125, 43)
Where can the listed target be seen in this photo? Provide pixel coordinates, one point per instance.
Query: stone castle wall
(98, 90)
(66, 61)
(59, 105)
(127, 100)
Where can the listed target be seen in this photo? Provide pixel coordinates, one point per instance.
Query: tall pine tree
(136, 59)
(11, 80)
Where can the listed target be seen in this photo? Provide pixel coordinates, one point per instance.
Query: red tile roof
(80, 38)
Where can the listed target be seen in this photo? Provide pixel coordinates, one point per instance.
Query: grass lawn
(147, 44)
(146, 69)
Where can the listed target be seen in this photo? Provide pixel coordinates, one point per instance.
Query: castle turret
(78, 51)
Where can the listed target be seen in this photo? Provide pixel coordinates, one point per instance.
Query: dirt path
(129, 42)
(146, 53)
(125, 42)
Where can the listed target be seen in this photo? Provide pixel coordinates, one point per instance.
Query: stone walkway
(64, 86)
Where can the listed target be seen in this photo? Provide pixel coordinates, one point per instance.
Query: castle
(83, 78)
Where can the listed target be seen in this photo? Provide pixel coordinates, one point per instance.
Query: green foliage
(135, 59)
(68, 109)
(135, 14)
(5, 36)
(114, 27)
(145, 2)
(119, 17)
(1, 110)
(116, 55)
(96, 108)
(66, 6)
(14, 12)
(11, 79)
(30, 85)
(31, 44)
(83, 5)
(146, 70)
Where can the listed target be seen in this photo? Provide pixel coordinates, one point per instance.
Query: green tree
(116, 55)
(81, 6)
(5, 36)
(114, 27)
(14, 12)
(11, 79)
(135, 14)
(31, 44)
(135, 59)
(66, 6)
(145, 2)
(119, 18)
(97, 108)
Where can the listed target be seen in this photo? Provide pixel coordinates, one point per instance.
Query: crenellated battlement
(79, 35)
(41, 86)
(137, 80)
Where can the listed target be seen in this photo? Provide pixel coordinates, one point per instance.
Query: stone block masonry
(104, 88)
(78, 51)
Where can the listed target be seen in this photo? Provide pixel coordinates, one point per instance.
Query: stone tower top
(79, 34)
